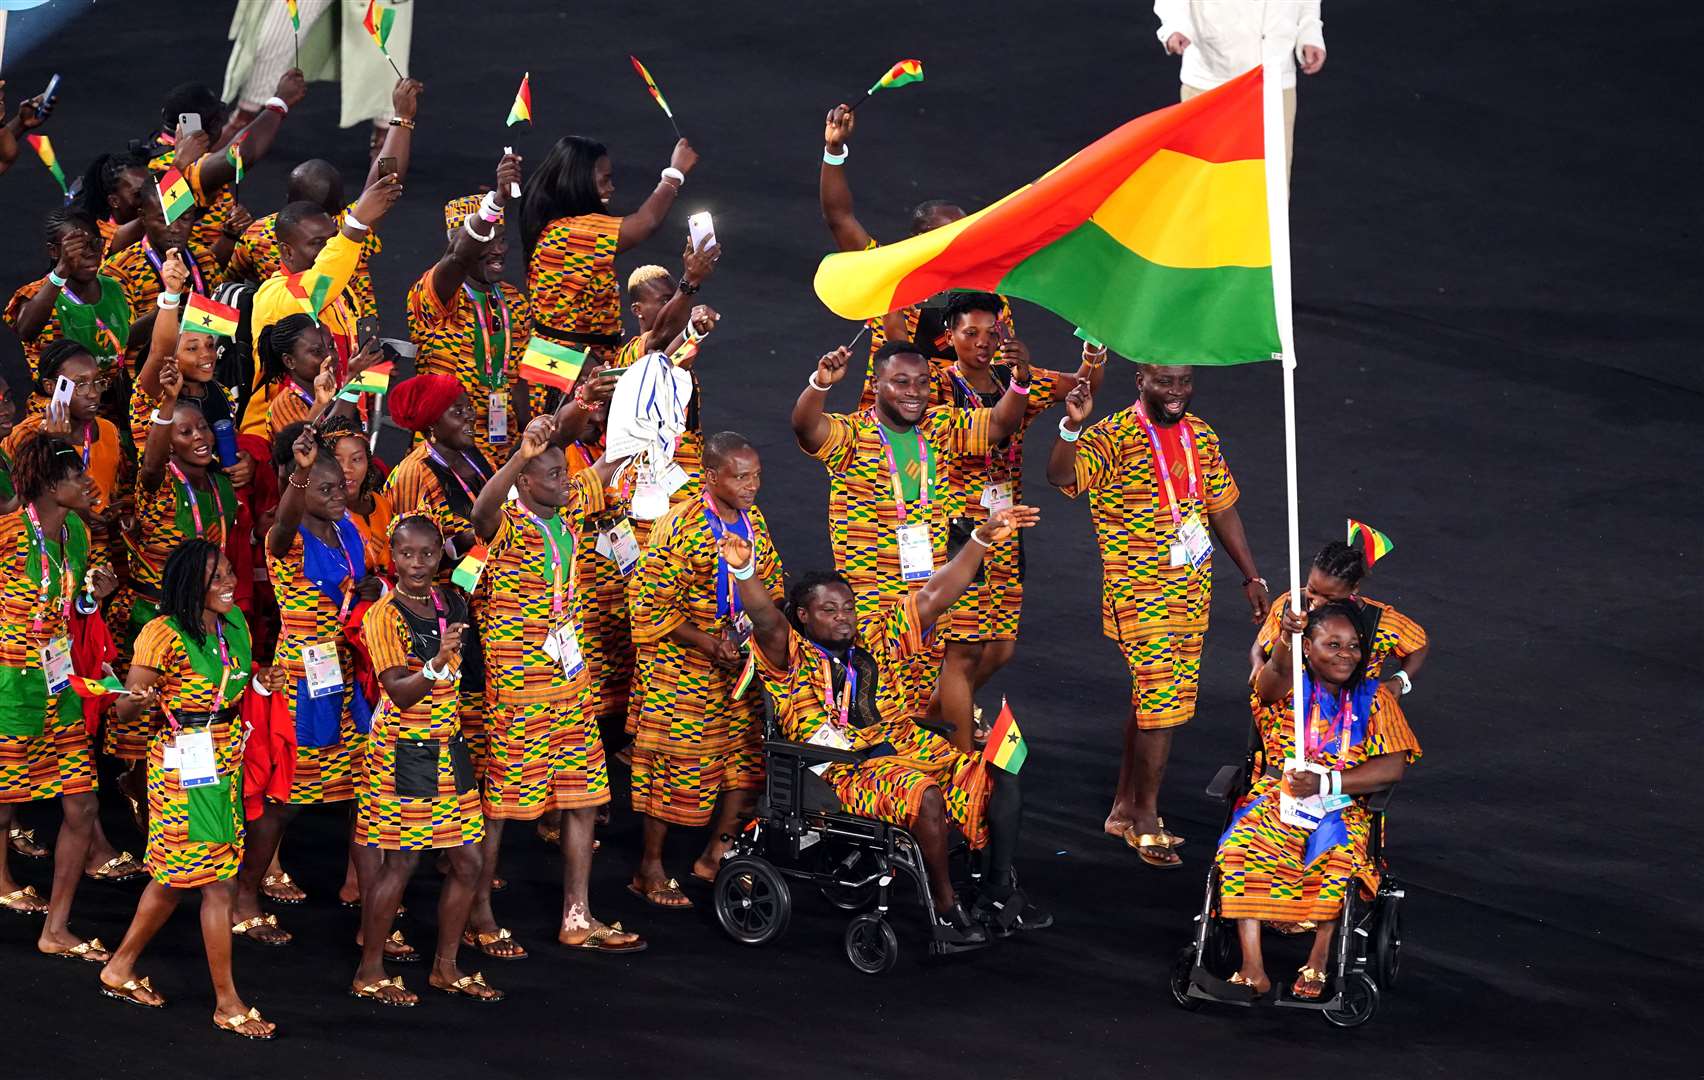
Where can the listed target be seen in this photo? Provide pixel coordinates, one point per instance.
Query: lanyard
(432, 452)
(975, 397)
(104, 332)
(194, 269)
(839, 714)
(224, 670)
(49, 564)
(354, 574)
(195, 507)
(893, 469)
(88, 442)
(1164, 470)
(491, 372)
(719, 529)
(1318, 733)
(555, 560)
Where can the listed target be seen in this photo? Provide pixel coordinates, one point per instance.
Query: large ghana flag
(1153, 239)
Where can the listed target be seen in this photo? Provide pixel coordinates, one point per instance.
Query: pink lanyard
(432, 452)
(1317, 738)
(194, 269)
(893, 469)
(195, 504)
(47, 560)
(496, 364)
(555, 561)
(218, 693)
(976, 399)
(1164, 470)
(839, 713)
(108, 338)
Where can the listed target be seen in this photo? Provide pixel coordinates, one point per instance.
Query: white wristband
(818, 387)
(277, 103)
(1068, 434)
(489, 210)
(831, 158)
(978, 539)
(1401, 676)
(467, 227)
(158, 419)
(54, 278)
(353, 222)
(169, 300)
(672, 173)
(744, 573)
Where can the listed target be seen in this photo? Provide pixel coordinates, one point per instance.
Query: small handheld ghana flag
(747, 673)
(1006, 748)
(175, 196)
(551, 364)
(375, 380)
(44, 150)
(311, 289)
(466, 574)
(651, 85)
(295, 14)
(378, 24)
(234, 155)
(521, 111)
(85, 687)
(1374, 545)
(901, 74)
(204, 316)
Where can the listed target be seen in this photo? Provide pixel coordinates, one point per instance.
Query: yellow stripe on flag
(1178, 210)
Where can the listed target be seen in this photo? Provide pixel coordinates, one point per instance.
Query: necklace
(413, 596)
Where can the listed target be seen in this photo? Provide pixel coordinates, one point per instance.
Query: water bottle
(225, 436)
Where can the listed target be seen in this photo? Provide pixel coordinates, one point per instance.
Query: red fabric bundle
(269, 755)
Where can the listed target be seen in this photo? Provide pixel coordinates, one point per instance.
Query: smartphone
(52, 90)
(188, 122)
(63, 388)
(366, 329)
(387, 167)
(701, 230)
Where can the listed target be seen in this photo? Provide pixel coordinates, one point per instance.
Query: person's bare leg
(733, 808)
(930, 829)
(650, 876)
(69, 853)
(261, 845)
(381, 888)
(152, 910)
(1253, 968)
(1123, 812)
(958, 698)
(8, 815)
(995, 655)
(577, 922)
(456, 898)
(216, 939)
(101, 850)
(480, 918)
(350, 891)
(368, 862)
(1319, 956)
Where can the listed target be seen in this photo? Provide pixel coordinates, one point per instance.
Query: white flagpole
(1278, 230)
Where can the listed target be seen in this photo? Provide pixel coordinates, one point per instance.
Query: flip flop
(23, 842)
(658, 897)
(121, 867)
(1142, 843)
(407, 955)
(375, 992)
(1307, 979)
(1254, 992)
(242, 930)
(484, 939)
(234, 1024)
(598, 941)
(281, 881)
(464, 987)
(31, 900)
(127, 992)
(83, 950)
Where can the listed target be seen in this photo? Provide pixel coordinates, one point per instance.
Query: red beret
(417, 403)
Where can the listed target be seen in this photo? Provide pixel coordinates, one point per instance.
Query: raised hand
(449, 646)
(101, 582)
(1079, 403)
(736, 551)
(325, 382)
(838, 128)
(58, 419)
(174, 275)
(405, 97)
(1015, 354)
(508, 174)
(73, 250)
(536, 438)
(305, 449)
(237, 222)
(684, 156)
(292, 87)
(704, 319)
(377, 200)
(33, 113)
(1001, 524)
(191, 148)
(699, 263)
(171, 383)
(368, 355)
(597, 387)
(832, 367)
(242, 472)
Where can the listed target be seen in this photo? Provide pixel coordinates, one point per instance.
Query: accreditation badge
(997, 497)
(497, 417)
(196, 764)
(620, 546)
(916, 552)
(563, 646)
(322, 669)
(56, 664)
(1193, 546)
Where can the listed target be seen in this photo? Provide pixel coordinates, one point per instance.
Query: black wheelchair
(800, 833)
(1366, 949)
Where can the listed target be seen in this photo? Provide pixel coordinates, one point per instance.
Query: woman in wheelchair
(839, 681)
(1357, 742)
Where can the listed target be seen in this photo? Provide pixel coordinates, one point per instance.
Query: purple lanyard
(923, 482)
(976, 402)
(840, 715)
(195, 508)
(66, 584)
(555, 561)
(156, 262)
(432, 452)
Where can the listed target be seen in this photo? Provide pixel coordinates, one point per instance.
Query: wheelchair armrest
(811, 752)
(1378, 800)
(1224, 782)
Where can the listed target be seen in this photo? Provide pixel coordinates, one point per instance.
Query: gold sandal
(483, 940)
(31, 900)
(465, 987)
(128, 991)
(376, 992)
(121, 867)
(598, 940)
(1254, 991)
(234, 1024)
(83, 950)
(1309, 984)
(269, 920)
(1142, 843)
(281, 881)
(23, 842)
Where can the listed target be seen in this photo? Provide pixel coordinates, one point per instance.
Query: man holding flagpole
(1158, 486)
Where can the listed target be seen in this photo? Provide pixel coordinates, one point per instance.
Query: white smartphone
(701, 230)
(188, 122)
(63, 388)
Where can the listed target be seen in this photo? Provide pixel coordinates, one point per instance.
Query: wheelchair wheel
(1182, 968)
(753, 903)
(871, 944)
(848, 897)
(1360, 1001)
(1387, 944)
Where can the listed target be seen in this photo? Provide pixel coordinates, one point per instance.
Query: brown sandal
(1309, 984)
(23, 842)
(1158, 843)
(483, 940)
(667, 896)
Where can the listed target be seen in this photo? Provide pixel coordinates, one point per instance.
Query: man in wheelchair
(1357, 742)
(842, 682)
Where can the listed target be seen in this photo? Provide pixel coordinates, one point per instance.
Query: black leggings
(1005, 817)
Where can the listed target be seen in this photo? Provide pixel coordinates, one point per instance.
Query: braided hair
(42, 464)
(61, 219)
(1339, 560)
(277, 342)
(337, 426)
(189, 573)
(53, 357)
(100, 180)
